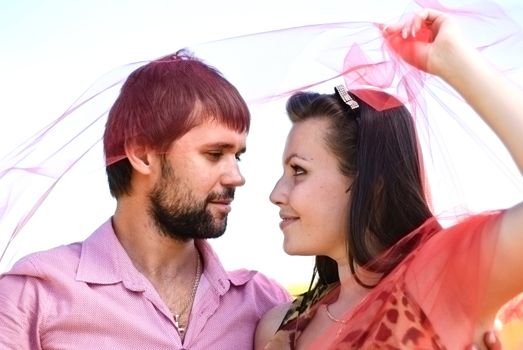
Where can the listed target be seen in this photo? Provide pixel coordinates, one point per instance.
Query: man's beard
(177, 214)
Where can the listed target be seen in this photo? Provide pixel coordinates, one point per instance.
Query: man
(147, 278)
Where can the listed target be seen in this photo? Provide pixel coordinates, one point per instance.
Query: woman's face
(312, 194)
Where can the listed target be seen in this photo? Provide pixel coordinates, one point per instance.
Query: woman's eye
(238, 157)
(297, 170)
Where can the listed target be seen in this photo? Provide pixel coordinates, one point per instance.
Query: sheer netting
(439, 286)
(464, 161)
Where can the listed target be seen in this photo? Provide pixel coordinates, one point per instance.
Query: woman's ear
(139, 157)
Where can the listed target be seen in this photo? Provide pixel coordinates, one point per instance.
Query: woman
(353, 195)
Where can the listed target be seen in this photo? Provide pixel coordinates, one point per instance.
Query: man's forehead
(214, 135)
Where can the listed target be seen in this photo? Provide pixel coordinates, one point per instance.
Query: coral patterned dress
(431, 300)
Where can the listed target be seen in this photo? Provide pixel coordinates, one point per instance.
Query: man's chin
(219, 220)
(219, 228)
(206, 235)
(217, 235)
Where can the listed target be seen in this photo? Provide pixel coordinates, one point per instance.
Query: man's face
(193, 193)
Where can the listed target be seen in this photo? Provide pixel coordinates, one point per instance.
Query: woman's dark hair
(380, 151)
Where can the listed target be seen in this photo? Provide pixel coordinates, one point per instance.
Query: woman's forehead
(308, 139)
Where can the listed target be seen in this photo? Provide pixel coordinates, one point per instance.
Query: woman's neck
(351, 290)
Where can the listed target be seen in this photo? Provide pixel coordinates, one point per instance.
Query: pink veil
(269, 66)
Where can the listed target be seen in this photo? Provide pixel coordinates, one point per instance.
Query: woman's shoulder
(269, 324)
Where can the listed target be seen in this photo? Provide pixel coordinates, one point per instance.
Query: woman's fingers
(410, 26)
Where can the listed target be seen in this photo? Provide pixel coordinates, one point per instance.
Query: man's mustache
(227, 194)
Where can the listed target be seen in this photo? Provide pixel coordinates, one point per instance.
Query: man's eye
(215, 155)
(238, 157)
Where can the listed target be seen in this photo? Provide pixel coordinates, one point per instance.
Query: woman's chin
(296, 251)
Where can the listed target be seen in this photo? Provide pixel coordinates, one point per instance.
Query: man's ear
(140, 157)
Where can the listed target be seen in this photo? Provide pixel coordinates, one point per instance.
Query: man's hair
(160, 102)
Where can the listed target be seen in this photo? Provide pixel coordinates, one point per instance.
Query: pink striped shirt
(89, 296)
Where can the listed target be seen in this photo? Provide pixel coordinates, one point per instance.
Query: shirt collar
(220, 279)
(103, 260)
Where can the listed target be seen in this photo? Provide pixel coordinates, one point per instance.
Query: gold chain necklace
(178, 316)
(335, 320)
(332, 318)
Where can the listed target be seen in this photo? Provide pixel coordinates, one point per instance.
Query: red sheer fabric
(431, 300)
(444, 277)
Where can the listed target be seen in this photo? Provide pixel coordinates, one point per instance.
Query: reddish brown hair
(160, 102)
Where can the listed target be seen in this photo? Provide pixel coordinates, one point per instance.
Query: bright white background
(51, 51)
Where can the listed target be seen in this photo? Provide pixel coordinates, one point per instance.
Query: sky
(52, 51)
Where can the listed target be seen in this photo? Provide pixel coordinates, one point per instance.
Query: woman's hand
(490, 340)
(427, 40)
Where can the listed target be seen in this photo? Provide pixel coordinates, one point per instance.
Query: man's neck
(154, 254)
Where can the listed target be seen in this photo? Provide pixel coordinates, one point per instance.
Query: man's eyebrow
(225, 146)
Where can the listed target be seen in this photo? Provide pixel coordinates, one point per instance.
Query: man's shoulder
(42, 263)
(63, 259)
(242, 276)
(259, 284)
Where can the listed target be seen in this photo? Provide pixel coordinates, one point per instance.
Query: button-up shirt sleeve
(19, 300)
